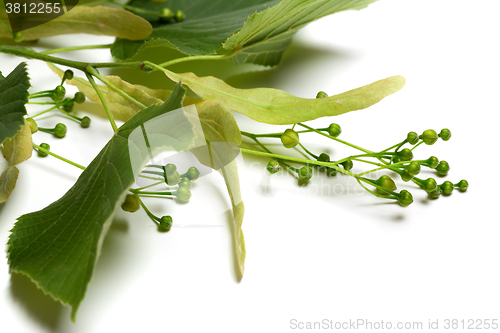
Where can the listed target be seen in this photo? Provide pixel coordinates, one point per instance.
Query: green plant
(241, 39)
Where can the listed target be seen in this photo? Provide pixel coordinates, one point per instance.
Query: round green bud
(446, 187)
(45, 146)
(33, 125)
(404, 198)
(68, 75)
(412, 138)
(406, 176)
(395, 159)
(462, 185)
(334, 130)
(273, 166)
(185, 182)
(429, 185)
(443, 168)
(132, 203)
(305, 173)
(331, 172)
(166, 13)
(173, 179)
(347, 165)
(146, 68)
(323, 157)
(429, 136)
(79, 97)
(183, 194)
(85, 123)
(405, 154)
(432, 162)
(166, 222)
(169, 169)
(60, 130)
(58, 94)
(413, 168)
(193, 173)
(435, 194)
(18, 37)
(387, 183)
(289, 138)
(180, 16)
(321, 94)
(68, 104)
(445, 134)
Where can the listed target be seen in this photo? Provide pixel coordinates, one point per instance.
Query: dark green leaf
(57, 247)
(208, 24)
(13, 96)
(256, 31)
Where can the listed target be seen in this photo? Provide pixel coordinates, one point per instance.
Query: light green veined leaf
(99, 20)
(223, 136)
(273, 106)
(15, 150)
(13, 97)
(266, 35)
(57, 247)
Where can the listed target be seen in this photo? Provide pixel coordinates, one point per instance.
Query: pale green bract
(273, 106)
(99, 20)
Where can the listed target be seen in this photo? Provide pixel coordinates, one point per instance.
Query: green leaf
(273, 106)
(57, 247)
(207, 25)
(223, 135)
(120, 107)
(15, 150)
(13, 96)
(98, 20)
(255, 31)
(266, 35)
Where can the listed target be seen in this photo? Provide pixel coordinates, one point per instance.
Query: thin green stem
(268, 151)
(298, 160)
(43, 112)
(151, 215)
(153, 178)
(94, 72)
(308, 152)
(104, 104)
(418, 144)
(277, 135)
(42, 103)
(148, 186)
(153, 173)
(70, 115)
(58, 157)
(76, 48)
(337, 139)
(6, 27)
(151, 193)
(193, 58)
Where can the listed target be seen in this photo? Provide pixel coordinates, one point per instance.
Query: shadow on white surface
(39, 307)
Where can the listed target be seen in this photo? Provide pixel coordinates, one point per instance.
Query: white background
(323, 251)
